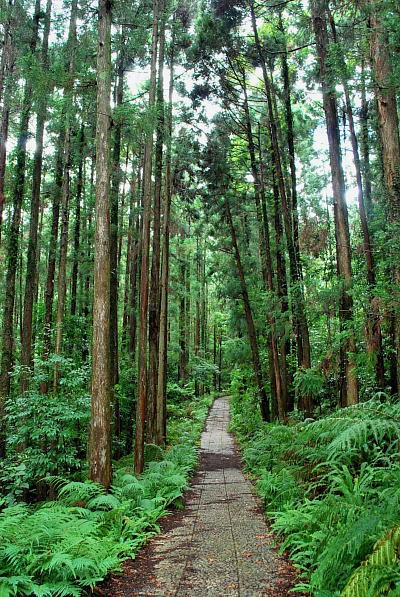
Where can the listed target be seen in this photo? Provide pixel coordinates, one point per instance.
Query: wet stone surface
(219, 545)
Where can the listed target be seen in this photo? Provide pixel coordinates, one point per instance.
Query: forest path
(219, 545)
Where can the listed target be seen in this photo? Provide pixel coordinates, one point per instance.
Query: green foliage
(53, 433)
(203, 371)
(308, 382)
(331, 488)
(379, 573)
(60, 548)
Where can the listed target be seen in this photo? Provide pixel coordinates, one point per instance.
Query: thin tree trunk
(263, 398)
(7, 356)
(278, 391)
(32, 258)
(77, 227)
(388, 121)
(114, 279)
(365, 144)
(161, 431)
(348, 380)
(154, 296)
(65, 195)
(51, 261)
(6, 87)
(100, 423)
(144, 273)
(183, 333)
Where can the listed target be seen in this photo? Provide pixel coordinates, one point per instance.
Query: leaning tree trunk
(100, 423)
(348, 380)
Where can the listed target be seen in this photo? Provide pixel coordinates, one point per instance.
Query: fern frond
(360, 433)
(106, 501)
(384, 556)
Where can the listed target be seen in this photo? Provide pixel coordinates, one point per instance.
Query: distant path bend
(219, 545)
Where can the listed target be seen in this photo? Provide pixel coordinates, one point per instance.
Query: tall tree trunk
(263, 398)
(77, 227)
(373, 326)
(297, 291)
(65, 193)
(7, 356)
(100, 423)
(144, 273)
(388, 122)
(304, 349)
(183, 320)
(134, 278)
(161, 430)
(51, 259)
(365, 144)
(32, 258)
(114, 270)
(279, 392)
(348, 380)
(6, 87)
(154, 296)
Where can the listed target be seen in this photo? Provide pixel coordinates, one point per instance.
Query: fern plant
(332, 489)
(379, 574)
(62, 548)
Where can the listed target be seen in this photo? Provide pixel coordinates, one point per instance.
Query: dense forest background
(194, 195)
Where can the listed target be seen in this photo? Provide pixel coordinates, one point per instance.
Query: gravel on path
(220, 544)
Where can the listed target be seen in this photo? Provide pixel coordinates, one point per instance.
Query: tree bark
(348, 381)
(262, 395)
(32, 258)
(154, 296)
(7, 356)
(144, 273)
(161, 424)
(100, 425)
(388, 127)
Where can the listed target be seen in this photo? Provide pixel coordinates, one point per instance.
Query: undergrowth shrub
(59, 548)
(332, 490)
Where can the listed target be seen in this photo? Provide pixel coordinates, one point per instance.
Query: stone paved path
(220, 544)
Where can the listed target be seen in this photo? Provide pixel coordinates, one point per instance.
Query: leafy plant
(60, 548)
(332, 490)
